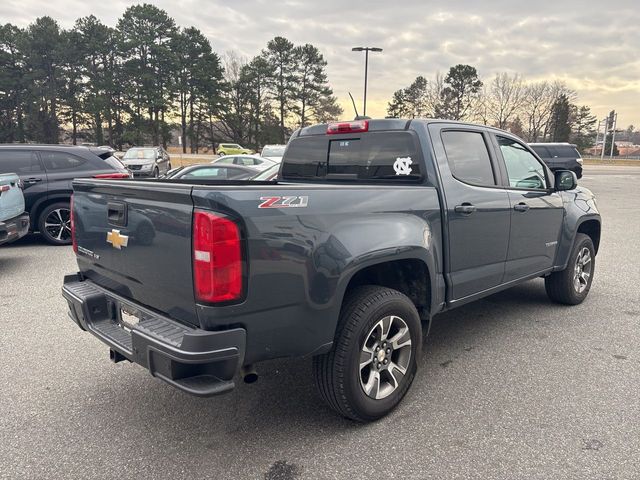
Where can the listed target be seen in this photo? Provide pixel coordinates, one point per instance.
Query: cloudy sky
(593, 46)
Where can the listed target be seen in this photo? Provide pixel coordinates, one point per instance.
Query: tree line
(544, 111)
(135, 82)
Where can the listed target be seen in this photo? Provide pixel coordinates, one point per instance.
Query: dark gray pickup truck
(372, 228)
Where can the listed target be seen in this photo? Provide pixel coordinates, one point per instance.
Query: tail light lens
(217, 258)
(74, 242)
(348, 127)
(113, 175)
(4, 188)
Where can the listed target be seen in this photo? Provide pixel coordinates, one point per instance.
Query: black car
(559, 156)
(210, 171)
(47, 171)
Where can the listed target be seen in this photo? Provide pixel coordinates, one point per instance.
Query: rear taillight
(113, 175)
(348, 127)
(217, 258)
(74, 242)
(4, 188)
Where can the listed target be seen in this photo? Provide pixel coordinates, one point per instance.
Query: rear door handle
(33, 180)
(521, 207)
(465, 208)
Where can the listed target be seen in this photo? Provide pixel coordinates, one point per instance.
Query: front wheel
(571, 285)
(54, 224)
(374, 356)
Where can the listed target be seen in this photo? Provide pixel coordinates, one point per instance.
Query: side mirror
(565, 180)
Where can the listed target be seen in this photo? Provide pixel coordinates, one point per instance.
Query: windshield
(268, 174)
(273, 151)
(114, 162)
(140, 153)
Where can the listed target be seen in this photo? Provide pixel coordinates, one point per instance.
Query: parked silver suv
(147, 161)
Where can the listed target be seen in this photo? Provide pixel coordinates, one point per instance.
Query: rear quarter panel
(300, 260)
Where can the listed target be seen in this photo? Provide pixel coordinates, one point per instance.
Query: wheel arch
(592, 228)
(411, 276)
(39, 207)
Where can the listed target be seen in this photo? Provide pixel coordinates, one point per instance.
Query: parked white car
(253, 161)
(273, 152)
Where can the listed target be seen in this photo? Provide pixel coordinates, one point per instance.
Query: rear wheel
(571, 285)
(54, 224)
(374, 357)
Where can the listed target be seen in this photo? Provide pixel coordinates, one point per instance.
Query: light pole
(366, 51)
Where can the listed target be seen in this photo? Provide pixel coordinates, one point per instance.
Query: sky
(592, 46)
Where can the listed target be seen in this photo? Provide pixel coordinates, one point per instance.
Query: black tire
(561, 286)
(221, 154)
(156, 172)
(338, 374)
(51, 215)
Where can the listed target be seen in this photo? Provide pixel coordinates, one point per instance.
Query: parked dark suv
(46, 172)
(559, 156)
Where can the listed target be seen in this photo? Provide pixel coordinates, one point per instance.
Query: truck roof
(390, 124)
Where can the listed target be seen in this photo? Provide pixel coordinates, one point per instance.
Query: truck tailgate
(134, 238)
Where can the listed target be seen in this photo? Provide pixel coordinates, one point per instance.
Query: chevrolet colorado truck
(371, 228)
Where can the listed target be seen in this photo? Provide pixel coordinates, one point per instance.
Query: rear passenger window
(564, 151)
(61, 160)
(468, 157)
(20, 162)
(542, 152)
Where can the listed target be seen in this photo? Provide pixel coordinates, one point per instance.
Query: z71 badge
(284, 202)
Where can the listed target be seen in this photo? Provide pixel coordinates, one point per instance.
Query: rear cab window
(369, 156)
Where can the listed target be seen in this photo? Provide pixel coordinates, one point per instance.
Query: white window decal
(402, 165)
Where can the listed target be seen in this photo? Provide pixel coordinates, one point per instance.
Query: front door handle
(465, 208)
(521, 207)
(32, 180)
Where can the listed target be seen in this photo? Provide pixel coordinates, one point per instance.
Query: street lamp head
(357, 49)
(375, 49)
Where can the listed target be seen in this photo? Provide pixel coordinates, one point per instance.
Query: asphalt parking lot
(510, 387)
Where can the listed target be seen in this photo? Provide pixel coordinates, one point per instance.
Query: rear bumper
(14, 228)
(193, 360)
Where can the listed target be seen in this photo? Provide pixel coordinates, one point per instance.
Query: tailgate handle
(117, 213)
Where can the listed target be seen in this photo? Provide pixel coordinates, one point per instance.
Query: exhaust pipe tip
(249, 374)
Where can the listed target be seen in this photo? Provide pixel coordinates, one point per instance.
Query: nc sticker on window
(402, 165)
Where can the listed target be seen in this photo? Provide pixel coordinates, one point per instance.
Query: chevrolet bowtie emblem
(118, 241)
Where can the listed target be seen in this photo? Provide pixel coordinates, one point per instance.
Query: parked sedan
(47, 172)
(147, 161)
(14, 222)
(253, 161)
(212, 172)
(268, 175)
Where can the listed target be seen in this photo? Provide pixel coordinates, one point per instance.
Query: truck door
(536, 211)
(477, 206)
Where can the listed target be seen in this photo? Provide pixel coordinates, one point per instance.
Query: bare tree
(502, 100)
(537, 107)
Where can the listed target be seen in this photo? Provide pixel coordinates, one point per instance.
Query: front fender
(580, 207)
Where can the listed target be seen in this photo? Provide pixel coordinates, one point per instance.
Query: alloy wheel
(582, 270)
(58, 224)
(385, 357)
